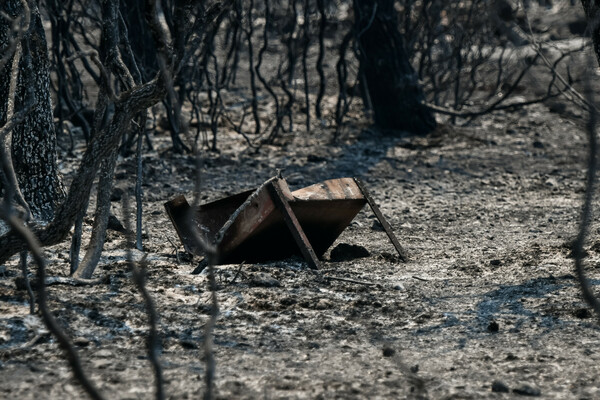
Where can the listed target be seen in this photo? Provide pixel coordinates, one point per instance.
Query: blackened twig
(211, 258)
(27, 283)
(139, 279)
(249, 33)
(262, 80)
(305, 47)
(209, 356)
(232, 281)
(342, 75)
(138, 181)
(336, 278)
(322, 82)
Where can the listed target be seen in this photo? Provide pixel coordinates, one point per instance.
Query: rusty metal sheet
(206, 219)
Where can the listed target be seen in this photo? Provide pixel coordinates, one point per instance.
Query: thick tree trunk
(592, 12)
(34, 140)
(391, 82)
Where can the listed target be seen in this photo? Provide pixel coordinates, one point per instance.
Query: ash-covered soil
(487, 213)
(487, 307)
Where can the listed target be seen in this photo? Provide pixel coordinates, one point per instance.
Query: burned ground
(487, 213)
(487, 307)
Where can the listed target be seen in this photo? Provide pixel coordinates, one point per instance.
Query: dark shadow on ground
(511, 301)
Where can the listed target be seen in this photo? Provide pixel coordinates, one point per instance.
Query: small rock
(388, 351)
(495, 262)
(526, 390)
(287, 301)
(499, 387)
(582, 313)
(104, 353)
(102, 364)
(552, 182)
(188, 344)
(315, 158)
(538, 145)
(115, 225)
(348, 252)
(323, 304)
(81, 342)
(264, 280)
(377, 226)
(493, 327)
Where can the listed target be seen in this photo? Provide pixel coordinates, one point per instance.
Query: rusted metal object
(272, 222)
(386, 226)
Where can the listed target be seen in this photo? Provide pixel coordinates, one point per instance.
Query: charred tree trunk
(34, 140)
(140, 40)
(592, 12)
(390, 81)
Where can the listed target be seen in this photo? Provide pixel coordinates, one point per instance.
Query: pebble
(104, 353)
(376, 226)
(582, 313)
(188, 344)
(115, 225)
(552, 182)
(102, 364)
(493, 327)
(81, 342)
(538, 145)
(526, 390)
(499, 387)
(388, 351)
(264, 280)
(323, 304)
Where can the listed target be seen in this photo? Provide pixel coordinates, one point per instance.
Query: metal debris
(272, 223)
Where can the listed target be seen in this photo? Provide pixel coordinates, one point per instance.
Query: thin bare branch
(138, 276)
